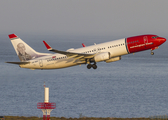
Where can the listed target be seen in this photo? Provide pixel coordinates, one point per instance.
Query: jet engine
(102, 56)
(113, 59)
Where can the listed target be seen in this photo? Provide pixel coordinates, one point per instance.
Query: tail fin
(23, 50)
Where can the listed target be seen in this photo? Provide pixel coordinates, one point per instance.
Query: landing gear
(152, 53)
(89, 66)
(94, 66)
(89, 61)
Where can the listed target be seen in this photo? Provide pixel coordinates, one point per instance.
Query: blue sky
(84, 17)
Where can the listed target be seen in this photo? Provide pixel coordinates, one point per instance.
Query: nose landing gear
(152, 53)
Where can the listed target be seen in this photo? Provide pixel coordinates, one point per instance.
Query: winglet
(83, 45)
(11, 36)
(47, 46)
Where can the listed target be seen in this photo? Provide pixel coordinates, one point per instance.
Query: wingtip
(47, 46)
(83, 45)
(11, 36)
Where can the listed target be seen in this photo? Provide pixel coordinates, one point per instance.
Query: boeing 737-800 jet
(108, 52)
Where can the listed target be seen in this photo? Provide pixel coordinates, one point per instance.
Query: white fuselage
(56, 61)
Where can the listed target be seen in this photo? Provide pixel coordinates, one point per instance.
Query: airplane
(90, 55)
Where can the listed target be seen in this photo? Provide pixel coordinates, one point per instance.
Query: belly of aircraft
(51, 65)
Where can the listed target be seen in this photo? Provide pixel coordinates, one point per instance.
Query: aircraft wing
(80, 56)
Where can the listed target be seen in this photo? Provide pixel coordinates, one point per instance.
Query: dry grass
(83, 118)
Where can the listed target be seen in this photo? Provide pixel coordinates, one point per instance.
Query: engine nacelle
(113, 59)
(102, 57)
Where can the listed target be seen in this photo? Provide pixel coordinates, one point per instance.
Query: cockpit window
(154, 37)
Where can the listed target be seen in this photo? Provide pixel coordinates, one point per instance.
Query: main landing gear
(94, 66)
(89, 61)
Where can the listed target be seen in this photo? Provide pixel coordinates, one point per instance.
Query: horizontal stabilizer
(18, 63)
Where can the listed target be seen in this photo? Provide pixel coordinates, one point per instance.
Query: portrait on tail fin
(23, 56)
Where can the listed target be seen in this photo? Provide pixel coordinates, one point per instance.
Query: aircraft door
(94, 50)
(145, 38)
(98, 50)
(40, 63)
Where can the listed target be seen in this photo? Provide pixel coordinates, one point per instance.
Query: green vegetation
(83, 118)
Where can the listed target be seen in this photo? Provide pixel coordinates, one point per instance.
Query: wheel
(89, 66)
(94, 66)
(152, 53)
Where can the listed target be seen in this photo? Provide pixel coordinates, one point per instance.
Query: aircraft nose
(161, 39)
(164, 39)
